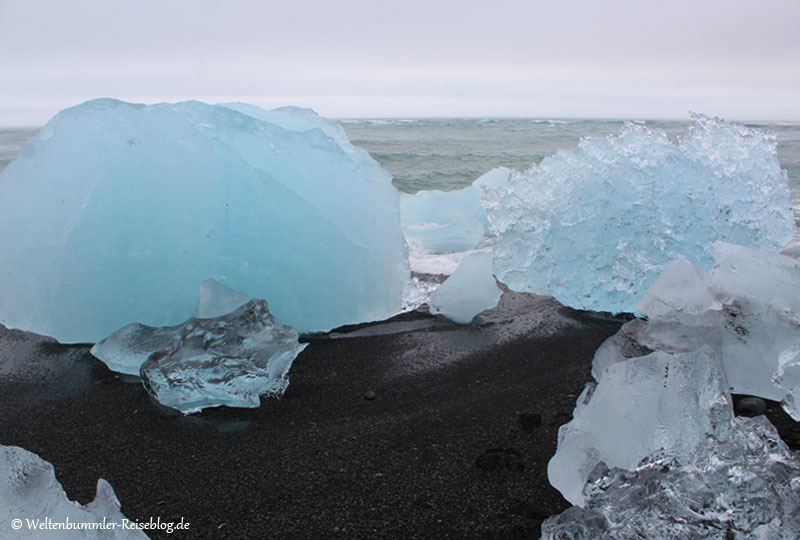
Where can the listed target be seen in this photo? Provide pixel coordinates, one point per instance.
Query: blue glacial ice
(595, 227)
(30, 492)
(449, 221)
(468, 291)
(116, 212)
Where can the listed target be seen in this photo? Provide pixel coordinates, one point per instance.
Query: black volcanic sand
(410, 428)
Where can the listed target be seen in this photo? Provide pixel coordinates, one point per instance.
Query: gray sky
(368, 58)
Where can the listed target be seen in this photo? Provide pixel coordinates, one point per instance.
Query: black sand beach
(410, 428)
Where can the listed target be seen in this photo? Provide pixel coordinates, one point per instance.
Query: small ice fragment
(230, 360)
(468, 291)
(31, 494)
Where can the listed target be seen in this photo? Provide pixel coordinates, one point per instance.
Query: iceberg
(596, 226)
(660, 402)
(745, 486)
(31, 494)
(449, 221)
(468, 291)
(746, 308)
(116, 212)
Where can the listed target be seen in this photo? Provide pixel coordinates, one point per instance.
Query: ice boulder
(449, 221)
(660, 402)
(468, 291)
(746, 308)
(116, 212)
(595, 227)
(744, 487)
(31, 497)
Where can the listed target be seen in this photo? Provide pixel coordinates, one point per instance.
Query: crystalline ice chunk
(230, 360)
(116, 212)
(595, 227)
(30, 492)
(746, 308)
(468, 291)
(745, 486)
(660, 402)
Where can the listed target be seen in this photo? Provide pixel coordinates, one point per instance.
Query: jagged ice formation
(594, 227)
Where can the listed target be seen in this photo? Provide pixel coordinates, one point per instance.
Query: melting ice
(594, 227)
(116, 212)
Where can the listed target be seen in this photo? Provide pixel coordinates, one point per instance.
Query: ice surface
(29, 491)
(216, 300)
(660, 402)
(745, 487)
(747, 308)
(468, 291)
(594, 227)
(230, 360)
(449, 221)
(126, 350)
(117, 212)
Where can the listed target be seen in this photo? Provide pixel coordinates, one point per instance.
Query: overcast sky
(373, 58)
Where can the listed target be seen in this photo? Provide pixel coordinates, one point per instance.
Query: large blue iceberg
(595, 227)
(117, 212)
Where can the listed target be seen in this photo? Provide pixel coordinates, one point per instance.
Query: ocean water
(447, 154)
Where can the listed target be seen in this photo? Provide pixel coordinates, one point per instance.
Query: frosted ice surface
(468, 291)
(29, 491)
(116, 212)
(745, 487)
(230, 360)
(449, 221)
(747, 308)
(594, 227)
(660, 402)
